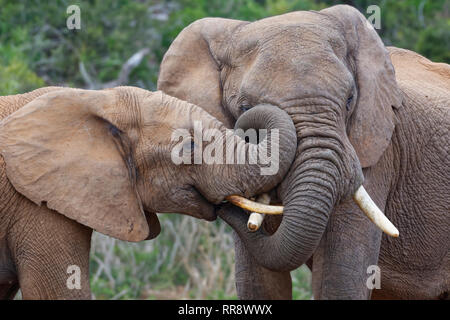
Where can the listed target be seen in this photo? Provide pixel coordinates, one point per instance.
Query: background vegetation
(190, 259)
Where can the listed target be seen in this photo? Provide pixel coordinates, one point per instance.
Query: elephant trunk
(308, 202)
(277, 144)
(258, 165)
(325, 170)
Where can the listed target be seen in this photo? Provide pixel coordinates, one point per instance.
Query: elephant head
(330, 72)
(105, 158)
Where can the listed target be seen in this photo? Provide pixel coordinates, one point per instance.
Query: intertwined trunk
(309, 192)
(308, 200)
(251, 177)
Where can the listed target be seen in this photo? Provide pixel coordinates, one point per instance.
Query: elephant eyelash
(245, 107)
(115, 132)
(189, 146)
(349, 101)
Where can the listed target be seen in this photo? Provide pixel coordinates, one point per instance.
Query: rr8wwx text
(226, 309)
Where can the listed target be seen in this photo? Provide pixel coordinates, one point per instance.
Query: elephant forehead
(286, 40)
(280, 78)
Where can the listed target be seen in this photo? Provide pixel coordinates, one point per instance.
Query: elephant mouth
(209, 210)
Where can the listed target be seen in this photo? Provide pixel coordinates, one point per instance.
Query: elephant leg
(347, 256)
(341, 262)
(51, 254)
(254, 282)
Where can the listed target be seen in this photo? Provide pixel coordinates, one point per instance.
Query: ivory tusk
(256, 219)
(361, 197)
(254, 206)
(371, 210)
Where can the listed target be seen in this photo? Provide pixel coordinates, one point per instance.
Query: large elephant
(358, 121)
(75, 160)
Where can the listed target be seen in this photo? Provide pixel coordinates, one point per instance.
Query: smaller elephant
(76, 160)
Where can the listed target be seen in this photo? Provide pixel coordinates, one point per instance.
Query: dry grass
(190, 259)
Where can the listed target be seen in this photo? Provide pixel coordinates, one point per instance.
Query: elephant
(364, 115)
(75, 160)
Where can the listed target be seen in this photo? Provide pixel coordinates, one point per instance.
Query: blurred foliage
(19, 77)
(190, 259)
(34, 39)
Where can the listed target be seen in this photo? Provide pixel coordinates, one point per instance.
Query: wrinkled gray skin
(356, 123)
(75, 160)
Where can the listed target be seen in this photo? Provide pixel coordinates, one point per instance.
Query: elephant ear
(373, 120)
(65, 149)
(190, 69)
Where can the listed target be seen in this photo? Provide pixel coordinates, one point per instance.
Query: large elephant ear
(65, 149)
(373, 120)
(190, 69)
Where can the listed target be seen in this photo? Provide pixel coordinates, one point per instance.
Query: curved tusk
(361, 198)
(256, 219)
(371, 210)
(254, 206)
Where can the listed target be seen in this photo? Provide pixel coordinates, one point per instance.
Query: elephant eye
(245, 107)
(189, 146)
(349, 101)
(192, 146)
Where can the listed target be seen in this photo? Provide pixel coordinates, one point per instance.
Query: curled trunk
(325, 170)
(308, 203)
(252, 175)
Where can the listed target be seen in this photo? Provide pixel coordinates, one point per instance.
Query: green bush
(434, 42)
(111, 32)
(15, 74)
